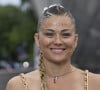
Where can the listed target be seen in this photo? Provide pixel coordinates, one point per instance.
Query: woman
(57, 40)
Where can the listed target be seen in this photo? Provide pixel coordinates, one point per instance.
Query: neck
(54, 70)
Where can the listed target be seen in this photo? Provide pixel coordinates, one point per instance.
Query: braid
(42, 73)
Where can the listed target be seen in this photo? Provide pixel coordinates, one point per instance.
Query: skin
(57, 38)
(57, 41)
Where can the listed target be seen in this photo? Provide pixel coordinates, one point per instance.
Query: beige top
(85, 80)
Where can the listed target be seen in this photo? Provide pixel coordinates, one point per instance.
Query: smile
(57, 50)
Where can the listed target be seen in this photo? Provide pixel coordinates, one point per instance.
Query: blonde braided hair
(42, 73)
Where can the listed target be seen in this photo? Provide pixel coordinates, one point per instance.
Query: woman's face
(56, 38)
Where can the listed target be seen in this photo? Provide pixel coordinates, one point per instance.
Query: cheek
(70, 42)
(44, 42)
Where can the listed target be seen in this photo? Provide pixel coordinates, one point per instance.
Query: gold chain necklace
(55, 78)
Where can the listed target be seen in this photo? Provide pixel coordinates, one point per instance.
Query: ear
(36, 37)
(76, 40)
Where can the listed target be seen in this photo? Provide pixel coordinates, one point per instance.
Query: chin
(58, 61)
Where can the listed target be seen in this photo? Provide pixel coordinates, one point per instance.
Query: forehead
(57, 22)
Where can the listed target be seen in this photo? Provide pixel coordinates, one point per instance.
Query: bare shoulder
(94, 81)
(94, 77)
(33, 75)
(16, 83)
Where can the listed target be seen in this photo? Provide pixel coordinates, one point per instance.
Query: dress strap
(86, 80)
(22, 75)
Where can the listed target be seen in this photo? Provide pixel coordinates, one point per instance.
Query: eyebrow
(64, 30)
(50, 30)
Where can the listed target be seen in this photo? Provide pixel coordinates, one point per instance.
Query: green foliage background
(16, 26)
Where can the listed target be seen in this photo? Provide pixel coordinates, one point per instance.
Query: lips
(57, 50)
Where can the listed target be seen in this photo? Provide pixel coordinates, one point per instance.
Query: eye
(49, 34)
(65, 35)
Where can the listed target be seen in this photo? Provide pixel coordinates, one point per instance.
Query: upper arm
(9, 85)
(14, 84)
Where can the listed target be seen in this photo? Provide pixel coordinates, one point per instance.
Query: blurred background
(18, 23)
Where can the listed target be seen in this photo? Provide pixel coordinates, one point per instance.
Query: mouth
(57, 50)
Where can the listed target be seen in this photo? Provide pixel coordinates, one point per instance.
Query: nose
(58, 40)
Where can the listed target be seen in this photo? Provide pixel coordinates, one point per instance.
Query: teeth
(57, 50)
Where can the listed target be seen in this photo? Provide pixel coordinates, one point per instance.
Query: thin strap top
(85, 80)
(24, 81)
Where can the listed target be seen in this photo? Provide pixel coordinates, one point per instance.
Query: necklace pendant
(55, 79)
